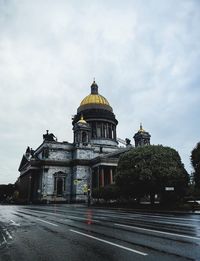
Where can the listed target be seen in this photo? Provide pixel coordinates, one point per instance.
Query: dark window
(94, 134)
(45, 153)
(109, 131)
(55, 184)
(59, 187)
(104, 131)
(84, 137)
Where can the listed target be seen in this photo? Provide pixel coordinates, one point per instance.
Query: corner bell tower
(82, 132)
(142, 137)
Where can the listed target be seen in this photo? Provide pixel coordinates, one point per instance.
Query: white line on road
(14, 223)
(8, 233)
(166, 222)
(166, 217)
(4, 239)
(157, 231)
(110, 243)
(67, 217)
(47, 222)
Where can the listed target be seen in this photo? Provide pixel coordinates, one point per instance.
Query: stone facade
(67, 172)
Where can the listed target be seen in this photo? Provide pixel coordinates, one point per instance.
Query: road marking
(145, 219)
(167, 217)
(47, 222)
(67, 217)
(110, 243)
(8, 233)
(157, 231)
(166, 222)
(5, 241)
(14, 223)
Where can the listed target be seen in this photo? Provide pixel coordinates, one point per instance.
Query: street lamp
(89, 197)
(29, 196)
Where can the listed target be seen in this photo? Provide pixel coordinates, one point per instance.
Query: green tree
(6, 192)
(109, 192)
(148, 170)
(195, 160)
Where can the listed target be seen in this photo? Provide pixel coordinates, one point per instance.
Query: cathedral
(67, 172)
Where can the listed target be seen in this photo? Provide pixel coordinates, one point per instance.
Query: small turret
(142, 137)
(82, 132)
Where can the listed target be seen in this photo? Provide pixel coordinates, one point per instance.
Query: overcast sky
(144, 55)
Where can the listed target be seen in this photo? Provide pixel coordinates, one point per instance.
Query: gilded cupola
(94, 100)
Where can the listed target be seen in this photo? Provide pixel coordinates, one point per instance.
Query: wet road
(75, 232)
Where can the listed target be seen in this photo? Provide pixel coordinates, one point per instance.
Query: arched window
(59, 183)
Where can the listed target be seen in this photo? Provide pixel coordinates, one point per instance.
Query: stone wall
(81, 180)
(47, 189)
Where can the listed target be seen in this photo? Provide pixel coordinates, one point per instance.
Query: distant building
(62, 171)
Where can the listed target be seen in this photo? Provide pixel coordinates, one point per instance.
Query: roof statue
(49, 136)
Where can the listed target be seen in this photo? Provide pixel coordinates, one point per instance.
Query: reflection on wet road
(75, 232)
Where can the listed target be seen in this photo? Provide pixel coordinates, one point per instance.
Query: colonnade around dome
(103, 130)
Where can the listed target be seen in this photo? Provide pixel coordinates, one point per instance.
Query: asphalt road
(75, 232)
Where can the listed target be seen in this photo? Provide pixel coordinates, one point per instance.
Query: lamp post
(89, 197)
(29, 194)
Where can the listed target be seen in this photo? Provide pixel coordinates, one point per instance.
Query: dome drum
(95, 114)
(103, 130)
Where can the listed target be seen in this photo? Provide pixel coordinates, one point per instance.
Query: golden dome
(94, 99)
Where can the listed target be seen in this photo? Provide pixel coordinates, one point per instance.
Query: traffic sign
(85, 188)
(169, 188)
(76, 181)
